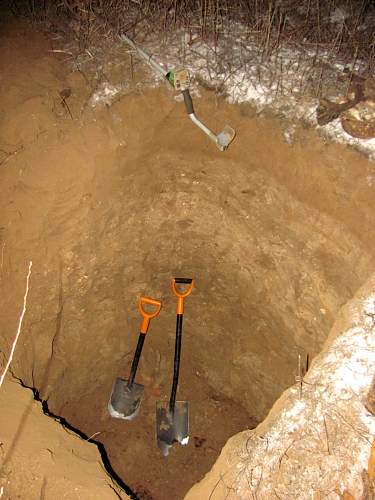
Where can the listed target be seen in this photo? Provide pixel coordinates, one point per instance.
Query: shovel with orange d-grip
(172, 419)
(126, 394)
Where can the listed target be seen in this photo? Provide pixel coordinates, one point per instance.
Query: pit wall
(316, 441)
(40, 459)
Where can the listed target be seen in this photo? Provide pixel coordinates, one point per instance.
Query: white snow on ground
(105, 94)
(338, 16)
(320, 443)
(236, 69)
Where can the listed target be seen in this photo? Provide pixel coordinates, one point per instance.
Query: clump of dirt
(111, 202)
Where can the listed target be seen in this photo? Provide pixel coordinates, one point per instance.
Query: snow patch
(338, 16)
(235, 69)
(320, 442)
(105, 94)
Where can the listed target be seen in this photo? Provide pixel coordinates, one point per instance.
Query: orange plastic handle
(147, 317)
(181, 296)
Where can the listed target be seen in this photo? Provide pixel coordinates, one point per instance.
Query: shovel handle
(181, 296)
(147, 316)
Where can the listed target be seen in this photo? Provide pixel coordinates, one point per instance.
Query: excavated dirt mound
(111, 202)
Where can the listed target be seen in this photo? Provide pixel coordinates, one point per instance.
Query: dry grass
(319, 30)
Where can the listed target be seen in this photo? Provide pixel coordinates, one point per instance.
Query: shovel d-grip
(182, 295)
(147, 316)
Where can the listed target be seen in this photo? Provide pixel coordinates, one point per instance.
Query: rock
(359, 121)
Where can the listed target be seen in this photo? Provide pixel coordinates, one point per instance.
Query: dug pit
(113, 203)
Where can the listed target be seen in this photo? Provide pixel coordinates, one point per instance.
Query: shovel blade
(124, 402)
(225, 137)
(172, 427)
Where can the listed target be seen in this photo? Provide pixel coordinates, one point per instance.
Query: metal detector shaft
(221, 140)
(190, 111)
(147, 57)
(224, 138)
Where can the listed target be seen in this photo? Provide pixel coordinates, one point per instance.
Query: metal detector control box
(179, 78)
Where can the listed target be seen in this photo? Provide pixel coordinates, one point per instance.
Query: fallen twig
(326, 431)
(2, 255)
(299, 376)
(95, 434)
(9, 155)
(59, 51)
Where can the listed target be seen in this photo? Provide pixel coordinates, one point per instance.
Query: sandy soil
(40, 459)
(111, 202)
(318, 439)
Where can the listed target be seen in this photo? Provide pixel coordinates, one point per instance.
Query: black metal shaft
(137, 355)
(190, 110)
(177, 355)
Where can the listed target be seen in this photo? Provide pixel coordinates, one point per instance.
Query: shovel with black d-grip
(172, 419)
(126, 394)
